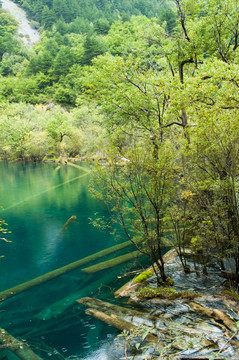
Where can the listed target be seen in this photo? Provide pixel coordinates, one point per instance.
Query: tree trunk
(116, 322)
(112, 263)
(60, 271)
(215, 314)
(116, 309)
(19, 348)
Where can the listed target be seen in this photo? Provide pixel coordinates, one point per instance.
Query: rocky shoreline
(201, 326)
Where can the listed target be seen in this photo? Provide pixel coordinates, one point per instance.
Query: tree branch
(182, 19)
(181, 65)
(173, 123)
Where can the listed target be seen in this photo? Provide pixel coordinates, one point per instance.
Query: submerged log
(112, 308)
(59, 307)
(19, 348)
(116, 322)
(113, 320)
(60, 271)
(216, 314)
(65, 226)
(122, 312)
(78, 167)
(112, 263)
(121, 318)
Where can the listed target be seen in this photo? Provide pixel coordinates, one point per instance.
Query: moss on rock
(143, 276)
(160, 292)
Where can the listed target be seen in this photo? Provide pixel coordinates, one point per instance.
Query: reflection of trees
(38, 199)
(41, 185)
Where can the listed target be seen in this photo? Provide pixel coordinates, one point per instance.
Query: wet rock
(197, 333)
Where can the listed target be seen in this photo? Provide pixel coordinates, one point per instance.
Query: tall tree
(92, 48)
(137, 194)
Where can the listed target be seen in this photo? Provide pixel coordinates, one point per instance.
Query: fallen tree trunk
(60, 271)
(65, 226)
(112, 308)
(122, 312)
(112, 263)
(19, 348)
(79, 167)
(112, 315)
(218, 315)
(116, 322)
(59, 307)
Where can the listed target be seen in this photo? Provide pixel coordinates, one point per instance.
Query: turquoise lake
(37, 200)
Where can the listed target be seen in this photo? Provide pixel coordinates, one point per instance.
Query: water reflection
(38, 199)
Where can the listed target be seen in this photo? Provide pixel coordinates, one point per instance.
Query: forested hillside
(84, 15)
(68, 44)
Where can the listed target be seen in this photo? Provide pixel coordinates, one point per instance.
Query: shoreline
(199, 326)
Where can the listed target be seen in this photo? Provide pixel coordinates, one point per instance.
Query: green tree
(191, 86)
(168, 15)
(61, 26)
(211, 177)
(60, 8)
(102, 26)
(92, 48)
(48, 17)
(7, 31)
(64, 95)
(37, 8)
(63, 61)
(137, 195)
(11, 64)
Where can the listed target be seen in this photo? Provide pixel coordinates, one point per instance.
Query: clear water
(37, 201)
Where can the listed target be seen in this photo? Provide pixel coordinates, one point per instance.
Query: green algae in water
(37, 200)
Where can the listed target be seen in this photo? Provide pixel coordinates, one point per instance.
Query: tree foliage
(188, 96)
(157, 96)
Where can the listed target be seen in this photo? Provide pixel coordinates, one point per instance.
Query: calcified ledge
(127, 289)
(127, 319)
(211, 317)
